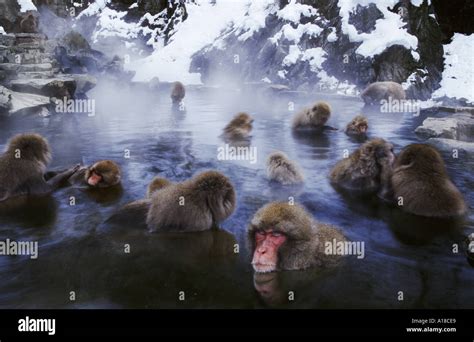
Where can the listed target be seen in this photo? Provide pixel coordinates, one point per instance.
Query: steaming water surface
(404, 256)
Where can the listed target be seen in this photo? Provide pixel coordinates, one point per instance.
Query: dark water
(78, 253)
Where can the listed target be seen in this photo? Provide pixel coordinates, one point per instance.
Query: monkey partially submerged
(358, 126)
(23, 165)
(286, 237)
(197, 204)
(367, 169)
(177, 92)
(283, 170)
(422, 186)
(239, 127)
(314, 118)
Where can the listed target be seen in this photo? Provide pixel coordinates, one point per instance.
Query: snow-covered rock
(449, 145)
(21, 102)
(458, 126)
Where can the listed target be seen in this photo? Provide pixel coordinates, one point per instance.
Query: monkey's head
(277, 158)
(421, 158)
(217, 192)
(320, 113)
(31, 147)
(156, 184)
(282, 237)
(377, 151)
(359, 125)
(103, 174)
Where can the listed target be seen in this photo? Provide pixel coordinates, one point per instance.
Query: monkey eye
(277, 234)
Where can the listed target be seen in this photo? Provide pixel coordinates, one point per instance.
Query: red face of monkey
(94, 179)
(265, 257)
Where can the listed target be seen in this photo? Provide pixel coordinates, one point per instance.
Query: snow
(172, 61)
(26, 5)
(294, 34)
(388, 30)
(293, 11)
(458, 80)
(332, 37)
(2, 31)
(254, 19)
(110, 23)
(94, 8)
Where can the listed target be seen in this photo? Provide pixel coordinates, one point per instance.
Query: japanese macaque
(367, 169)
(156, 184)
(22, 167)
(29, 24)
(177, 92)
(378, 91)
(314, 117)
(103, 174)
(283, 170)
(286, 237)
(197, 204)
(239, 127)
(358, 126)
(421, 184)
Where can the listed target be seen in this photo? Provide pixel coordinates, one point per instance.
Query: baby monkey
(103, 174)
(314, 117)
(239, 128)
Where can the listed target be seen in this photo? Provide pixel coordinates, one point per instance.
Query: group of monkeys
(282, 236)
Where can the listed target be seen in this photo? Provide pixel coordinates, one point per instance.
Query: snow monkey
(102, 174)
(283, 170)
(286, 237)
(378, 91)
(314, 117)
(239, 127)
(177, 92)
(23, 165)
(156, 184)
(422, 186)
(197, 204)
(29, 24)
(358, 126)
(367, 169)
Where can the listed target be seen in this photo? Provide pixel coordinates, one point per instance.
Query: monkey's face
(384, 154)
(267, 244)
(103, 174)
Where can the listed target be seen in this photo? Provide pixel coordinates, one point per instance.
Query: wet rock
(5, 100)
(84, 83)
(9, 14)
(458, 126)
(23, 103)
(53, 87)
(449, 145)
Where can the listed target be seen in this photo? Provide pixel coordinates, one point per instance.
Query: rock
(84, 83)
(17, 68)
(5, 100)
(9, 14)
(24, 103)
(458, 126)
(60, 86)
(448, 145)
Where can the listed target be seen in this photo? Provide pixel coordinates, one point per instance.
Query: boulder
(22, 103)
(449, 145)
(60, 86)
(458, 126)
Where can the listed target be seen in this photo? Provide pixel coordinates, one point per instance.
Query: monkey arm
(56, 180)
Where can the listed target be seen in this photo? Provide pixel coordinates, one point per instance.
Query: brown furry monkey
(367, 169)
(156, 184)
(196, 204)
(239, 127)
(177, 92)
(102, 174)
(314, 117)
(283, 170)
(29, 24)
(286, 237)
(378, 91)
(422, 186)
(23, 165)
(358, 126)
